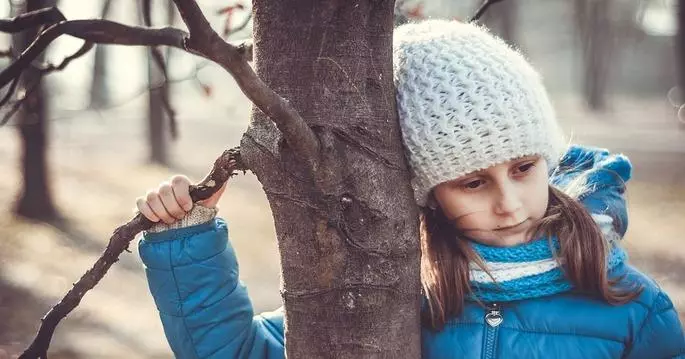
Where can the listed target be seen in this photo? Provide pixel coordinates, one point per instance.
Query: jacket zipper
(493, 319)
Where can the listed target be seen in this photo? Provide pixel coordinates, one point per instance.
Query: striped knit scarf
(530, 270)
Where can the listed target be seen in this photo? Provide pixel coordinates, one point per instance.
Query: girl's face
(496, 206)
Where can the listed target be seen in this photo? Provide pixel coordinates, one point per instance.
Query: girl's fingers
(145, 209)
(180, 185)
(157, 207)
(166, 194)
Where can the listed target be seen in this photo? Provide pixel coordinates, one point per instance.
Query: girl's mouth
(517, 228)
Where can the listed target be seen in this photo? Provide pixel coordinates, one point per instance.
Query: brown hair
(445, 258)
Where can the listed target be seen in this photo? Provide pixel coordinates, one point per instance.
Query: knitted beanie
(467, 101)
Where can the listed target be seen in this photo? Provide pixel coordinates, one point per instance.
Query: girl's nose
(508, 200)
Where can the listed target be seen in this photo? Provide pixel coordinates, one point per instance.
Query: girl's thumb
(212, 201)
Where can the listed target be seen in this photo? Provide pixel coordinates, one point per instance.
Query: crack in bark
(346, 287)
(287, 197)
(275, 159)
(366, 149)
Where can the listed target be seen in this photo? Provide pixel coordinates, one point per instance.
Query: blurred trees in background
(99, 92)
(35, 197)
(159, 121)
(680, 46)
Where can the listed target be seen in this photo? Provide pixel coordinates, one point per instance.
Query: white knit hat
(467, 101)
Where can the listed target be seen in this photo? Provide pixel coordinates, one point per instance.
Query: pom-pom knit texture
(467, 101)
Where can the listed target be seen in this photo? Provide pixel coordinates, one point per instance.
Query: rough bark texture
(347, 231)
(35, 200)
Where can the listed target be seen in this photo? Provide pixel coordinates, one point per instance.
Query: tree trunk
(501, 18)
(348, 236)
(158, 122)
(680, 46)
(592, 20)
(99, 92)
(35, 200)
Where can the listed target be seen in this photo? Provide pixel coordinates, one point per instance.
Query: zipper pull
(494, 316)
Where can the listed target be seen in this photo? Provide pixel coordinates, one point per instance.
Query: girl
(520, 235)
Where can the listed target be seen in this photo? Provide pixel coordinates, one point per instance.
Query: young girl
(520, 235)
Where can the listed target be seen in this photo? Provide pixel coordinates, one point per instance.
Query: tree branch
(97, 31)
(482, 9)
(204, 41)
(31, 19)
(87, 46)
(224, 168)
(10, 92)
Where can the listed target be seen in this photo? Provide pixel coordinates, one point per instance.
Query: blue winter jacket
(206, 312)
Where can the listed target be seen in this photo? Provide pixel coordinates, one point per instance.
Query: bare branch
(224, 168)
(482, 9)
(205, 41)
(228, 12)
(97, 31)
(9, 94)
(31, 19)
(87, 46)
(239, 27)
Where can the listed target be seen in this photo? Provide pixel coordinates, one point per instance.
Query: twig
(44, 70)
(482, 9)
(87, 46)
(31, 19)
(224, 168)
(192, 76)
(97, 31)
(228, 11)
(10, 92)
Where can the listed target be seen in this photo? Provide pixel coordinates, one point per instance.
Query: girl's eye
(473, 184)
(525, 167)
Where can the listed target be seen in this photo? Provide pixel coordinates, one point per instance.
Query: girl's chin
(509, 241)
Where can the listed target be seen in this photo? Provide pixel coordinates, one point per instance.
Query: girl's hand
(171, 201)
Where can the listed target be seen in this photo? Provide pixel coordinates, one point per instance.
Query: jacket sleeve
(192, 273)
(661, 335)
(601, 177)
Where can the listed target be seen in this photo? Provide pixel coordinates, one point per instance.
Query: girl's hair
(445, 258)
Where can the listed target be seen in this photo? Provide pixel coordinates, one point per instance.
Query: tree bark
(347, 231)
(35, 200)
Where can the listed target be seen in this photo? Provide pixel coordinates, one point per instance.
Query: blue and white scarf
(531, 270)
